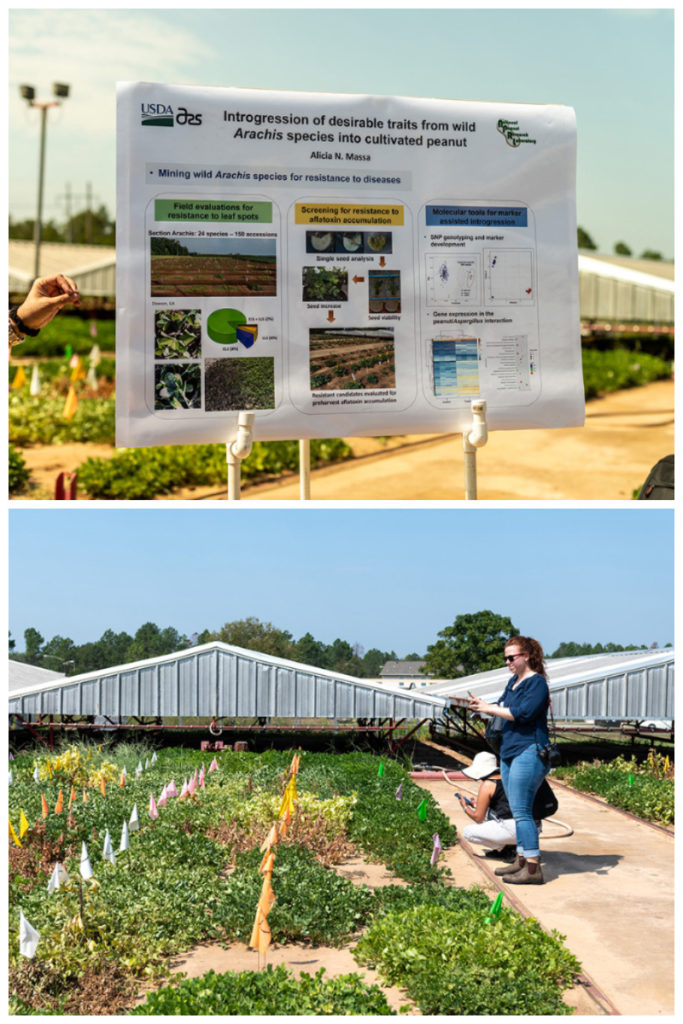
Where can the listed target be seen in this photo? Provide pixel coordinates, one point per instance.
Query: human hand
(45, 299)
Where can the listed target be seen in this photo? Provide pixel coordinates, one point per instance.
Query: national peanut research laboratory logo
(512, 135)
(161, 115)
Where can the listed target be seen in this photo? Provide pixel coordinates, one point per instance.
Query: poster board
(342, 265)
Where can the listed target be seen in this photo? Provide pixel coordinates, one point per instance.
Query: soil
(607, 459)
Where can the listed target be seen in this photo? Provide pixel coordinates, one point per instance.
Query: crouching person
(493, 825)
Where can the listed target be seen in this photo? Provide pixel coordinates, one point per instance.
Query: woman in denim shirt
(524, 710)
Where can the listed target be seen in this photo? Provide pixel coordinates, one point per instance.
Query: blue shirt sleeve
(529, 700)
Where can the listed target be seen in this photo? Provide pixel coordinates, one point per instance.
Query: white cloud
(90, 50)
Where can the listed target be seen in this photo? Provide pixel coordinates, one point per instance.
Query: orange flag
(19, 378)
(270, 840)
(59, 806)
(86, 798)
(123, 781)
(103, 787)
(70, 405)
(266, 865)
(260, 933)
(45, 807)
(267, 897)
(72, 797)
(283, 825)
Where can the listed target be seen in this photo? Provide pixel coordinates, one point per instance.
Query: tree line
(473, 643)
(89, 227)
(61, 654)
(620, 248)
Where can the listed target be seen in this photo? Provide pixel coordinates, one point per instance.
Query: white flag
(58, 877)
(86, 870)
(124, 838)
(138, 770)
(35, 381)
(147, 762)
(36, 776)
(134, 823)
(154, 757)
(108, 851)
(11, 777)
(28, 937)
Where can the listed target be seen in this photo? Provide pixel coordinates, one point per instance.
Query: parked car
(656, 725)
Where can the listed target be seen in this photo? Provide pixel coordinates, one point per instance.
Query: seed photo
(239, 384)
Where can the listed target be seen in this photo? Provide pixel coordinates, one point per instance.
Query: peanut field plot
(213, 276)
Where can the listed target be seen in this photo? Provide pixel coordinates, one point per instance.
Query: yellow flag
(49, 768)
(14, 835)
(77, 373)
(86, 798)
(23, 824)
(19, 378)
(70, 405)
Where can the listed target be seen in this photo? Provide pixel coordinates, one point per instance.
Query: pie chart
(222, 325)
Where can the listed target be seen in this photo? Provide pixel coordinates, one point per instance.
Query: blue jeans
(521, 777)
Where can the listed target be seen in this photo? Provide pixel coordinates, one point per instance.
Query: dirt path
(607, 459)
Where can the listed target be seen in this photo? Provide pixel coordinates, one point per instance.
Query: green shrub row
(139, 473)
(67, 330)
(274, 992)
(40, 420)
(451, 962)
(625, 785)
(612, 370)
(18, 474)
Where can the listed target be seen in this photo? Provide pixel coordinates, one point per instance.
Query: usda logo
(157, 114)
(162, 116)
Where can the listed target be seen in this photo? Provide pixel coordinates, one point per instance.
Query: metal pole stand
(236, 451)
(476, 438)
(304, 470)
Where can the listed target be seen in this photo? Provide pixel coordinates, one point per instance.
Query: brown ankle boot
(530, 874)
(511, 869)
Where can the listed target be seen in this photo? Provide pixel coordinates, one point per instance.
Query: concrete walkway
(609, 889)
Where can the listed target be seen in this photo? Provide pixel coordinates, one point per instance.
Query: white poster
(342, 265)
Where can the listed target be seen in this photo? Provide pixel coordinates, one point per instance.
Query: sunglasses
(511, 657)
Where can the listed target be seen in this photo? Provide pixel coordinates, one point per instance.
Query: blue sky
(386, 578)
(614, 66)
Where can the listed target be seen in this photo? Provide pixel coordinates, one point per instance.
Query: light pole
(28, 93)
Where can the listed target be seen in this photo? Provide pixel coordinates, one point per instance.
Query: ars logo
(161, 115)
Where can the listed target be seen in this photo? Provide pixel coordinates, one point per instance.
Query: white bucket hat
(485, 763)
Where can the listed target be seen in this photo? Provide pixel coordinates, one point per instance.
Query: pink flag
(153, 812)
(213, 767)
(161, 802)
(170, 789)
(183, 791)
(192, 786)
(437, 849)
(201, 777)
(399, 792)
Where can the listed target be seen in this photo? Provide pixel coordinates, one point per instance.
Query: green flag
(380, 770)
(494, 910)
(630, 778)
(422, 809)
